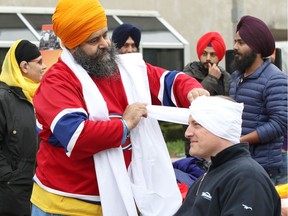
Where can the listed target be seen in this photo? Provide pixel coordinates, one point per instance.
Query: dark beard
(242, 64)
(101, 65)
(205, 65)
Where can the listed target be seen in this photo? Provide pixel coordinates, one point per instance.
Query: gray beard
(101, 65)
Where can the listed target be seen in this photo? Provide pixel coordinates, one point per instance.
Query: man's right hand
(214, 70)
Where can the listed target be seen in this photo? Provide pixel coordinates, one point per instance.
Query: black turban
(26, 51)
(122, 32)
(256, 34)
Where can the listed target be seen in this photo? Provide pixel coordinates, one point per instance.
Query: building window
(160, 43)
(170, 59)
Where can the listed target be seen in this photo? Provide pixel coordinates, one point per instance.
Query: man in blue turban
(126, 38)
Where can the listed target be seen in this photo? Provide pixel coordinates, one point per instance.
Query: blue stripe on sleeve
(168, 88)
(67, 125)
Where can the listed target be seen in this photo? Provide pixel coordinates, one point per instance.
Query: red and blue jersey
(69, 139)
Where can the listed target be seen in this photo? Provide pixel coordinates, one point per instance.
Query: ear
(24, 67)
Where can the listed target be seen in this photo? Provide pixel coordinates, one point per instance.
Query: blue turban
(122, 32)
(256, 34)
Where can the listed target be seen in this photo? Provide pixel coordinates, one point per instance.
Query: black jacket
(18, 146)
(235, 184)
(210, 83)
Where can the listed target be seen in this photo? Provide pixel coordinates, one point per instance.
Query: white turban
(220, 116)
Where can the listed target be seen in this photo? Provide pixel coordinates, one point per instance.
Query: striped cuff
(126, 132)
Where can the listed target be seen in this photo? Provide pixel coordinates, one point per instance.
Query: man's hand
(214, 70)
(133, 113)
(196, 92)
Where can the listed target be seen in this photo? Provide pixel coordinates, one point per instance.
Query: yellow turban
(12, 75)
(74, 21)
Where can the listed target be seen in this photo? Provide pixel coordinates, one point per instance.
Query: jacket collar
(232, 152)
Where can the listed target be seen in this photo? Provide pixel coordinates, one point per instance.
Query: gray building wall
(193, 18)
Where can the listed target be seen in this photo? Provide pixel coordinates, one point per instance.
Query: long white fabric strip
(153, 180)
(169, 114)
(114, 184)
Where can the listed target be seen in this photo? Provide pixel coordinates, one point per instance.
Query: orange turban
(215, 40)
(74, 21)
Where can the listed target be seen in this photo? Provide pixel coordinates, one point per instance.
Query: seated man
(234, 183)
(126, 38)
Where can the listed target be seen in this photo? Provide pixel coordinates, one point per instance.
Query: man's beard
(205, 65)
(242, 64)
(101, 65)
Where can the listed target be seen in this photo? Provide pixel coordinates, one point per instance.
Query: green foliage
(176, 148)
(174, 137)
(172, 131)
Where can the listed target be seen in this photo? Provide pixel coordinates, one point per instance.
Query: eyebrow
(36, 60)
(97, 36)
(238, 40)
(209, 51)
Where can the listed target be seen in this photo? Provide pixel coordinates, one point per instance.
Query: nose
(208, 57)
(44, 66)
(186, 134)
(235, 46)
(189, 132)
(130, 49)
(104, 42)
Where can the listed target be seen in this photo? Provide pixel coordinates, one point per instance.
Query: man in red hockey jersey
(91, 112)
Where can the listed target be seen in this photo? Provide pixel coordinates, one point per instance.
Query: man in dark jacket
(262, 87)
(21, 73)
(234, 183)
(211, 49)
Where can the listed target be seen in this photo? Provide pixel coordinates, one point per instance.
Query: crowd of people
(78, 139)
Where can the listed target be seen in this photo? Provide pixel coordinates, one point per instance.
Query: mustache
(101, 52)
(207, 63)
(236, 53)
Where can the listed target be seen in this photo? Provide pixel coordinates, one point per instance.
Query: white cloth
(152, 176)
(220, 116)
(153, 184)
(169, 114)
